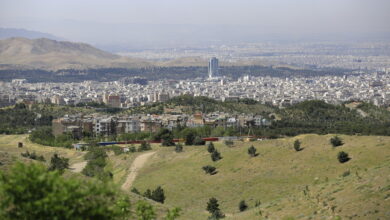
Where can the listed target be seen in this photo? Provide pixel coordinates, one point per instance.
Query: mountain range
(44, 53)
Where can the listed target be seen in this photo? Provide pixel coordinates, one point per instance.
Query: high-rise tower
(213, 67)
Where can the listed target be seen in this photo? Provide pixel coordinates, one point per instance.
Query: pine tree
(297, 145)
(210, 147)
(158, 195)
(242, 206)
(179, 148)
(343, 157)
(215, 156)
(58, 163)
(252, 151)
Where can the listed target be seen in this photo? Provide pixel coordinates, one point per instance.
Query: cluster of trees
(44, 136)
(157, 194)
(58, 163)
(43, 193)
(33, 156)
(96, 158)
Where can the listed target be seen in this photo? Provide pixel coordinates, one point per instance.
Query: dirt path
(138, 163)
(78, 167)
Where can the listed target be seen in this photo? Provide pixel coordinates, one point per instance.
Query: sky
(90, 20)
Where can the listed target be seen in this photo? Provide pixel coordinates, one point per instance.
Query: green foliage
(252, 151)
(135, 190)
(44, 136)
(116, 149)
(215, 156)
(145, 211)
(173, 214)
(336, 141)
(210, 147)
(209, 170)
(166, 136)
(190, 137)
(96, 157)
(213, 209)
(58, 163)
(158, 195)
(242, 206)
(132, 149)
(297, 145)
(199, 141)
(179, 148)
(229, 143)
(33, 156)
(145, 146)
(343, 157)
(32, 192)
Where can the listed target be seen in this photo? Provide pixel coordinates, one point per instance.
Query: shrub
(33, 156)
(135, 190)
(199, 141)
(179, 148)
(215, 156)
(242, 206)
(145, 211)
(209, 170)
(132, 149)
(46, 194)
(297, 145)
(343, 157)
(190, 138)
(252, 151)
(158, 195)
(145, 146)
(172, 214)
(213, 209)
(229, 143)
(336, 141)
(210, 147)
(58, 163)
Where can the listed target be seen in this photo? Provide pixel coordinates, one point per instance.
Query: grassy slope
(277, 177)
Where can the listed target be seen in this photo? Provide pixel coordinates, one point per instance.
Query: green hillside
(278, 178)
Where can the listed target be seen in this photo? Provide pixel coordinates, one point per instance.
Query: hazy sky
(69, 18)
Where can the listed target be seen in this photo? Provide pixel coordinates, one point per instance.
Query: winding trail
(137, 164)
(78, 167)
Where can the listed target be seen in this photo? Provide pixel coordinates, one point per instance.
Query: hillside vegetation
(310, 183)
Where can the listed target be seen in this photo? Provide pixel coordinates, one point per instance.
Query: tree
(148, 194)
(242, 206)
(199, 141)
(343, 157)
(215, 156)
(229, 143)
(179, 148)
(252, 151)
(209, 170)
(158, 195)
(166, 136)
(210, 147)
(145, 146)
(297, 145)
(213, 209)
(190, 138)
(336, 141)
(32, 192)
(58, 163)
(145, 211)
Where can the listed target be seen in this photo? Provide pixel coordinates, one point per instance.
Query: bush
(297, 145)
(179, 148)
(58, 163)
(210, 147)
(336, 141)
(199, 141)
(173, 214)
(213, 209)
(190, 137)
(343, 157)
(252, 151)
(42, 194)
(145, 146)
(229, 143)
(215, 156)
(132, 149)
(145, 211)
(242, 206)
(33, 156)
(209, 170)
(135, 190)
(158, 195)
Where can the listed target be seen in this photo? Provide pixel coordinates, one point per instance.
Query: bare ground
(135, 166)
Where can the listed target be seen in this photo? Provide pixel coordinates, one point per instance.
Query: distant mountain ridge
(15, 32)
(50, 54)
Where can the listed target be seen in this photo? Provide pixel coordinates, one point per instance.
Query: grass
(277, 177)
(308, 184)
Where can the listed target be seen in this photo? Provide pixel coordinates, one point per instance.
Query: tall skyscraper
(213, 67)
